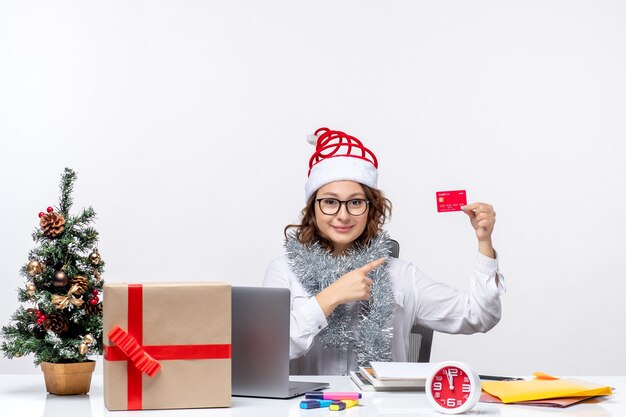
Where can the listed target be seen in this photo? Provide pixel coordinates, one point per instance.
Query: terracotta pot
(68, 378)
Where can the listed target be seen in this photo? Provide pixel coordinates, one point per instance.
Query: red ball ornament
(38, 313)
(94, 300)
(49, 209)
(41, 319)
(94, 292)
(41, 214)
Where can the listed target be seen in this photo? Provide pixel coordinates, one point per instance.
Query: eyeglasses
(331, 206)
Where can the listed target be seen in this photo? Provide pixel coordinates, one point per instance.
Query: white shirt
(419, 299)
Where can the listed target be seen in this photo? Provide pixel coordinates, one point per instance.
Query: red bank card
(451, 200)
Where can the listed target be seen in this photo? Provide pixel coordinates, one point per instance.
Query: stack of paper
(386, 376)
(542, 390)
(401, 370)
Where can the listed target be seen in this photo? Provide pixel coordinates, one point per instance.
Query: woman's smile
(342, 229)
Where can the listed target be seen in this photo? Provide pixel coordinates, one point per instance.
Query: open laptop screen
(260, 344)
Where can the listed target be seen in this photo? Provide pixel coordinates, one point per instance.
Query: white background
(186, 123)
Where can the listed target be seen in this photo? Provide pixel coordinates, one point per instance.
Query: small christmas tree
(63, 286)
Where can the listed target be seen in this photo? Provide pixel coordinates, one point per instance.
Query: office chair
(421, 338)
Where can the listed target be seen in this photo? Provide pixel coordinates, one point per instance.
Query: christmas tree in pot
(60, 319)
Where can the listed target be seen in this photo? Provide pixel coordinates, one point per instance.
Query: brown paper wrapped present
(167, 345)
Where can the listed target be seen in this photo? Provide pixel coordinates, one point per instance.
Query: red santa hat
(339, 157)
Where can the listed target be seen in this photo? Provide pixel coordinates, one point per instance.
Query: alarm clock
(452, 387)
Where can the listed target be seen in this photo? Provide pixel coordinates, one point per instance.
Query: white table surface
(25, 395)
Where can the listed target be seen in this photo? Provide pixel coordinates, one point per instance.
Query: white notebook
(401, 370)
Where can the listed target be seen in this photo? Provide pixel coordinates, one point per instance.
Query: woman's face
(341, 228)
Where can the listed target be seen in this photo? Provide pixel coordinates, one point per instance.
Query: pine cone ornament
(57, 323)
(82, 282)
(93, 309)
(52, 224)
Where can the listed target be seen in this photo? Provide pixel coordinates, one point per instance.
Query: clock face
(451, 387)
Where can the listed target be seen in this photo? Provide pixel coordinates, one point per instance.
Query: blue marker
(308, 404)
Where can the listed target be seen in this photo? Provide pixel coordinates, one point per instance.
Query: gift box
(167, 345)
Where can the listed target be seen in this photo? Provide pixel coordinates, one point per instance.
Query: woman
(351, 302)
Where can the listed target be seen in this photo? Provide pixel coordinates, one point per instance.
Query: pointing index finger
(372, 265)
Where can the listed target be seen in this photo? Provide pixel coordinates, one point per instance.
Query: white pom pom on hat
(339, 157)
(312, 139)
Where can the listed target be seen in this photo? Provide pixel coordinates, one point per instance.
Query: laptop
(260, 344)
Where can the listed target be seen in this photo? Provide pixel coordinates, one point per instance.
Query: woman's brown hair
(378, 212)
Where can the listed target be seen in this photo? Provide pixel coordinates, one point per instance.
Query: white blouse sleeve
(307, 317)
(448, 310)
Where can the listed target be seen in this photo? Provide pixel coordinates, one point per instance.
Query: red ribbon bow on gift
(130, 348)
(135, 352)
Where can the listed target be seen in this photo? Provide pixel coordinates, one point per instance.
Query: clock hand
(450, 382)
